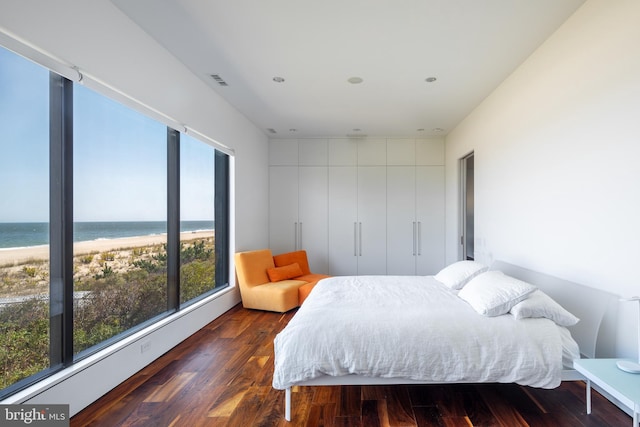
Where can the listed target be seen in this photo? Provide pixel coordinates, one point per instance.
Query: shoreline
(13, 256)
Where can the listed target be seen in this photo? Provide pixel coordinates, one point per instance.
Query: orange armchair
(274, 283)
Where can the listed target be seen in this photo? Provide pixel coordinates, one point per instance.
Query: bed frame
(594, 333)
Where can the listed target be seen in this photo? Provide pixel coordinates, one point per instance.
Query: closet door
(343, 193)
(283, 209)
(371, 225)
(430, 215)
(402, 226)
(312, 215)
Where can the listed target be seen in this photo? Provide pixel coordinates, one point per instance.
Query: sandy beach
(33, 253)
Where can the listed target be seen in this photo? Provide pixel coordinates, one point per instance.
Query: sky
(120, 155)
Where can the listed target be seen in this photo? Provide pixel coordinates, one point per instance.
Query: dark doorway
(467, 211)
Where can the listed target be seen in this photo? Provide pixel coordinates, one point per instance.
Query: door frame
(466, 220)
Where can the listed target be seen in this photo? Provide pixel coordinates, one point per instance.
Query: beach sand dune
(20, 255)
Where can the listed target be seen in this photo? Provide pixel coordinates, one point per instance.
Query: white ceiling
(470, 46)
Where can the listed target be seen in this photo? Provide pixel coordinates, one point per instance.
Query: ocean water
(23, 234)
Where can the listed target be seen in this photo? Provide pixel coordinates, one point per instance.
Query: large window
(120, 218)
(109, 221)
(197, 203)
(24, 219)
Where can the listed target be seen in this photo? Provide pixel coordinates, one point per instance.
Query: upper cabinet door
(430, 152)
(313, 152)
(372, 152)
(343, 152)
(354, 151)
(283, 152)
(401, 152)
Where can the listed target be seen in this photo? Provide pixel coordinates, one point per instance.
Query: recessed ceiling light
(293, 130)
(278, 79)
(354, 80)
(420, 130)
(438, 130)
(357, 130)
(430, 79)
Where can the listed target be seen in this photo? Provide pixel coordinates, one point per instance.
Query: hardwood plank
(458, 422)
(171, 388)
(569, 399)
(271, 412)
(427, 416)
(504, 413)
(375, 413)
(226, 404)
(478, 412)
(350, 401)
(398, 405)
(352, 421)
(449, 399)
(221, 376)
(322, 415)
(325, 394)
(303, 398)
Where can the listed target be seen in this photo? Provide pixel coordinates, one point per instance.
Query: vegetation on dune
(24, 340)
(109, 300)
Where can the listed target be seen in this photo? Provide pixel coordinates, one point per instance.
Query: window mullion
(222, 218)
(61, 219)
(173, 219)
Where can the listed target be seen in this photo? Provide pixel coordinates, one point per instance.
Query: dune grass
(115, 291)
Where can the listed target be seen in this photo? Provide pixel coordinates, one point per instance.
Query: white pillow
(493, 293)
(539, 304)
(456, 275)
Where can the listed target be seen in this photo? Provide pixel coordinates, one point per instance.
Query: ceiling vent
(219, 80)
(271, 130)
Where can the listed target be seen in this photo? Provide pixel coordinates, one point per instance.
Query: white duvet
(411, 327)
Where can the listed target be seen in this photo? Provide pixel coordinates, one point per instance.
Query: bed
(369, 330)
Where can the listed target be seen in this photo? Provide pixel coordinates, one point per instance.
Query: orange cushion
(290, 271)
(290, 257)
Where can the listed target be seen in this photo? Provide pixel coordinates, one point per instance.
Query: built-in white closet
(359, 206)
(357, 201)
(298, 199)
(415, 206)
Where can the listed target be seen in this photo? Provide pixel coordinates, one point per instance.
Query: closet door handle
(414, 238)
(299, 236)
(295, 236)
(360, 237)
(419, 238)
(355, 239)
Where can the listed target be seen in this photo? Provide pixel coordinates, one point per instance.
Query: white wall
(556, 149)
(103, 43)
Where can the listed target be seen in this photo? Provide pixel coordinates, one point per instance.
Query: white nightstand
(622, 385)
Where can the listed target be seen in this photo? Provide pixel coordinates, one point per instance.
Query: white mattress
(413, 327)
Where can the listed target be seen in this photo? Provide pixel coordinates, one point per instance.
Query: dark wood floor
(221, 376)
